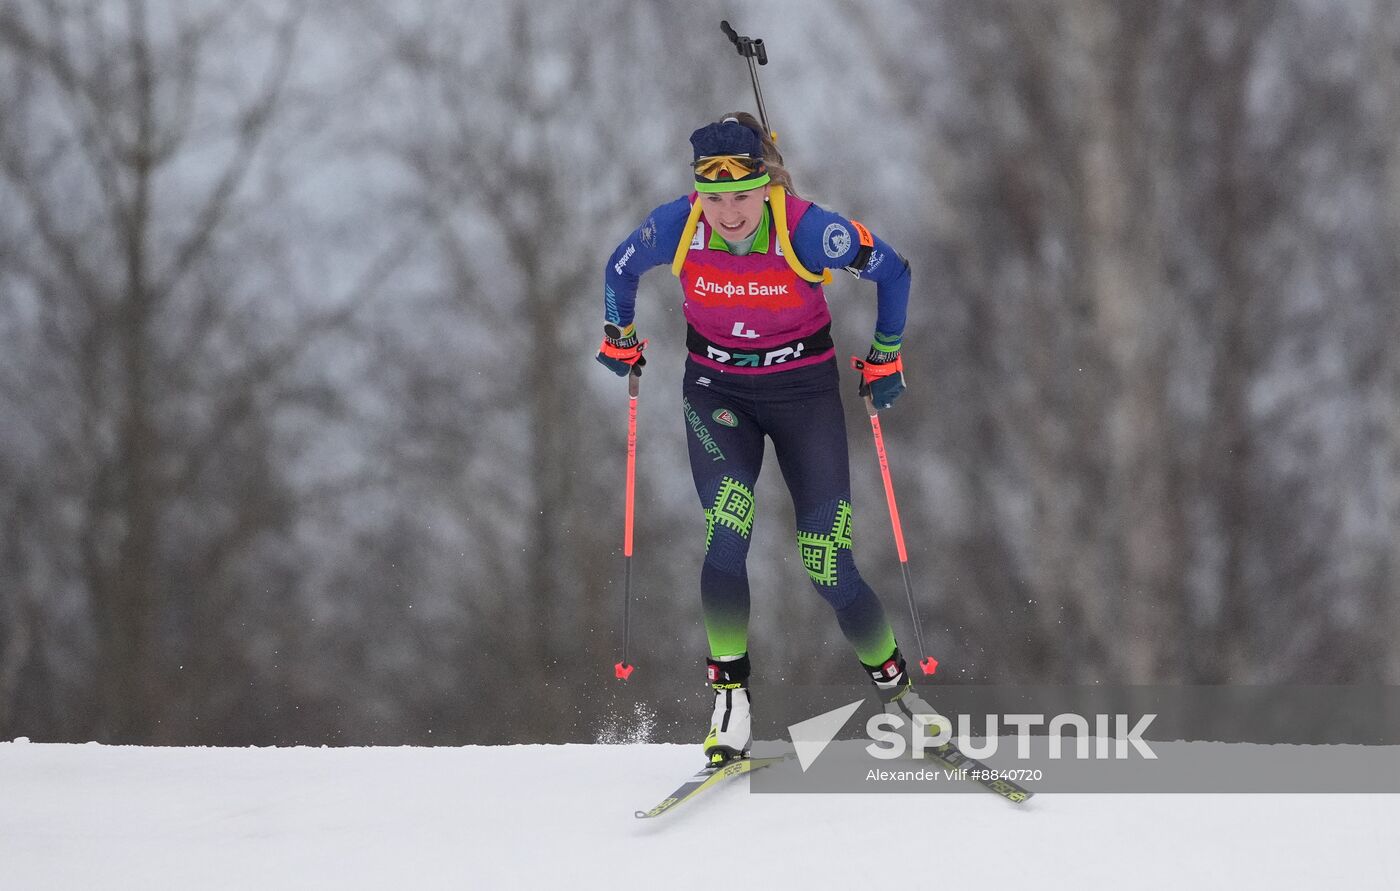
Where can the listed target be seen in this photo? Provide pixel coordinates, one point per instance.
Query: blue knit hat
(728, 158)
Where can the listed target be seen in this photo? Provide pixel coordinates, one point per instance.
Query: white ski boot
(730, 734)
(898, 697)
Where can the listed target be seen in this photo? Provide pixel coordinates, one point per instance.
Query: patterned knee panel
(824, 541)
(728, 525)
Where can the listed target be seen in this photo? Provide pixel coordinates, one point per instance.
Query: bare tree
(1122, 277)
(150, 369)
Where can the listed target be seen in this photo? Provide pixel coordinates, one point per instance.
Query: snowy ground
(86, 817)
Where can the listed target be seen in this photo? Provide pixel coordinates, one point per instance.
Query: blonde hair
(772, 158)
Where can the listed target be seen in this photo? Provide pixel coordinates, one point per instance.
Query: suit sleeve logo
(836, 240)
(626, 255)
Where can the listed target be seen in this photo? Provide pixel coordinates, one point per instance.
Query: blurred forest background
(302, 439)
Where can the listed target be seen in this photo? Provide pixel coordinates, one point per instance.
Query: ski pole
(624, 669)
(926, 662)
(752, 48)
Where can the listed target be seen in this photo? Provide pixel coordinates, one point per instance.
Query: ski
(969, 768)
(708, 778)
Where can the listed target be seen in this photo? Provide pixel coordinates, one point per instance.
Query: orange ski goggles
(729, 173)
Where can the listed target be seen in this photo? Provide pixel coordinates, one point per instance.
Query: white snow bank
(90, 816)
